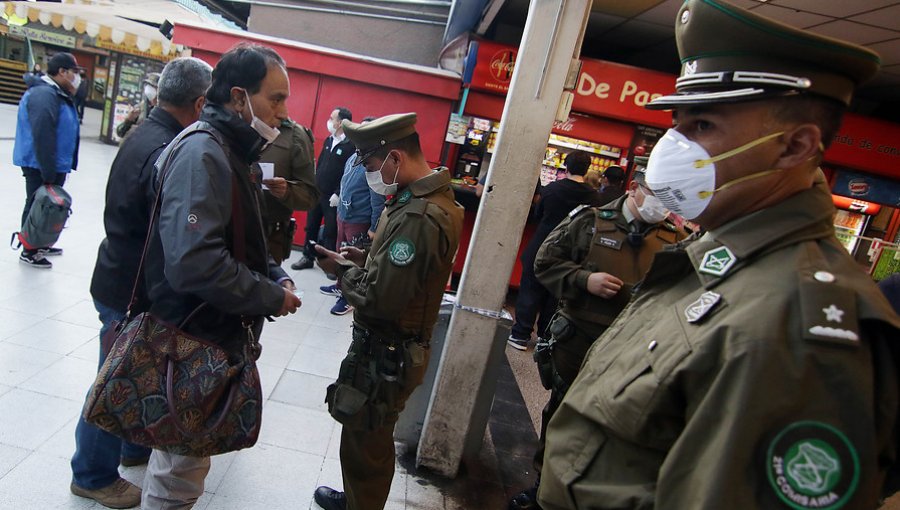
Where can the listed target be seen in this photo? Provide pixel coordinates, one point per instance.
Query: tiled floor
(48, 356)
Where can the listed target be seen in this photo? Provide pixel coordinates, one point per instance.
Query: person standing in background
(612, 184)
(139, 112)
(591, 263)
(292, 187)
(47, 138)
(557, 199)
(335, 152)
(358, 211)
(81, 95)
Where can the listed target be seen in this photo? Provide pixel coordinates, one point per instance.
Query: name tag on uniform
(609, 242)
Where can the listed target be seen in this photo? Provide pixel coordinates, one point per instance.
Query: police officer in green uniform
(396, 291)
(591, 262)
(293, 187)
(756, 367)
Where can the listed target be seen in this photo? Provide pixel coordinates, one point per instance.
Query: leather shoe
(304, 263)
(119, 494)
(525, 500)
(330, 499)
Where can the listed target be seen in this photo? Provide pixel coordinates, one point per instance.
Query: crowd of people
(747, 365)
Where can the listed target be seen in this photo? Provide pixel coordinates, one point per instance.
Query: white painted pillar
(552, 39)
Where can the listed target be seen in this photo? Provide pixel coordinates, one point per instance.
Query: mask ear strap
(704, 194)
(700, 163)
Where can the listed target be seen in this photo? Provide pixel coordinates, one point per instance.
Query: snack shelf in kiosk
(558, 147)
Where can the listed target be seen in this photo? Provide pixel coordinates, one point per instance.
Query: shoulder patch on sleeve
(577, 210)
(401, 252)
(828, 310)
(812, 464)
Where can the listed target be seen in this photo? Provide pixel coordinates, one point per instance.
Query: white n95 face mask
(264, 130)
(682, 174)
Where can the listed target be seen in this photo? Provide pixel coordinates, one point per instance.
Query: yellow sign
(121, 48)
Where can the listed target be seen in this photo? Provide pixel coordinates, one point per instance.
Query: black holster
(369, 382)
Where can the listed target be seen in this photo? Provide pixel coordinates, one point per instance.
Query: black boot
(525, 500)
(330, 499)
(304, 263)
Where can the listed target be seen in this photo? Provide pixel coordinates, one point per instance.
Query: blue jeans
(96, 461)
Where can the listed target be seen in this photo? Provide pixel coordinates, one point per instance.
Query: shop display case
(848, 226)
(558, 147)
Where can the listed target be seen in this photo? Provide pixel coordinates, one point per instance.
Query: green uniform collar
(804, 216)
(424, 186)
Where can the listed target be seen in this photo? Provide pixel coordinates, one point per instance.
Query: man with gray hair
(129, 203)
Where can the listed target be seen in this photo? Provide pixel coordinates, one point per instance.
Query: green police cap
(729, 54)
(368, 137)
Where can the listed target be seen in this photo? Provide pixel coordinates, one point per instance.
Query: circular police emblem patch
(404, 196)
(401, 252)
(812, 465)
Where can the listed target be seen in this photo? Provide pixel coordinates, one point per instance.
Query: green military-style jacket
(593, 239)
(292, 155)
(398, 292)
(755, 369)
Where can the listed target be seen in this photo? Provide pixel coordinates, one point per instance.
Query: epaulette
(828, 309)
(578, 210)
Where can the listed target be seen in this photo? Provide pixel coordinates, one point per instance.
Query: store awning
(111, 24)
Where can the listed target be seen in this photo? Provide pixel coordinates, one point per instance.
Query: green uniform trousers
(567, 356)
(367, 456)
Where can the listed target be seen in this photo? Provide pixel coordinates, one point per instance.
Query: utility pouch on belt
(289, 238)
(368, 384)
(543, 357)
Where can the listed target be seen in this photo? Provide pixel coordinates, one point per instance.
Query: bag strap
(163, 173)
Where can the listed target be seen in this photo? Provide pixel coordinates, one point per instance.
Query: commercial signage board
(867, 188)
(44, 36)
(604, 88)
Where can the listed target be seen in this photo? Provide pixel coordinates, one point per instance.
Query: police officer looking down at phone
(591, 262)
(395, 289)
(756, 366)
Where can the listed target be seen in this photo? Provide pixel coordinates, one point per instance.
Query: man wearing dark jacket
(47, 134)
(612, 184)
(129, 201)
(557, 199)
(208, 251)
(336, 150)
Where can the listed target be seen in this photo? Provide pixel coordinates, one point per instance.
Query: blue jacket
(49, 112)
(358, 204)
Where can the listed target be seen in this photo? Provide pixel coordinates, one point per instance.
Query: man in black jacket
(208, 252)
(126, 218)
(336, 150)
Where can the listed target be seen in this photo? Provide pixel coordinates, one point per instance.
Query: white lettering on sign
(588, 86)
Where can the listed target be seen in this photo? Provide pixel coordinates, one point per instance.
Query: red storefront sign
(494, 70)
(604, 88)
(855, 205)
(621, 92)
(867, 144)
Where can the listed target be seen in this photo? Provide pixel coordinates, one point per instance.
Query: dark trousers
(534, 302)
(314, 217)
(33, 181)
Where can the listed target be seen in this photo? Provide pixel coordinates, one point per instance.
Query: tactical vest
(611, 252)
